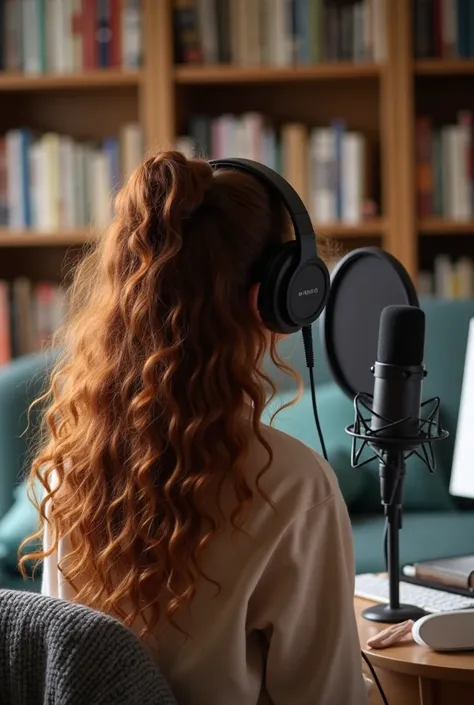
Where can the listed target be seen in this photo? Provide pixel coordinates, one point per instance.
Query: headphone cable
(309, 356)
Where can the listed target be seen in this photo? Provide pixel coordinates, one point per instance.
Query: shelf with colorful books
(444, 193)
(95, 78)
(310, 37)
(53, 183)
(333, 167)
(56, 38)
(30, 313)
(229, 74)
(442, 35)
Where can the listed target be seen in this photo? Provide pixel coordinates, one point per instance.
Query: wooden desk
(413, 675)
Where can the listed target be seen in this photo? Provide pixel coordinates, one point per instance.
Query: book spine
(90, 57)
(77, 20)
(339, 129)
(115, 54)
(13, 38)
(103, 33)
(131, 34)
(424, 170)
(3, 183)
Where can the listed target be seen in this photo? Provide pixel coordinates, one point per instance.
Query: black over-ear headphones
(295, 282)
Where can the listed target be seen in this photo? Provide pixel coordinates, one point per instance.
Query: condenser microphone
(396, 404)
(398, 377)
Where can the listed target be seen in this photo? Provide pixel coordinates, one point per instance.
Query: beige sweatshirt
(282, 630)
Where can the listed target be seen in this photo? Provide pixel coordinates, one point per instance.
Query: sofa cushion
(298, 421)
(20, 521)
(424, 536)
(22, 381)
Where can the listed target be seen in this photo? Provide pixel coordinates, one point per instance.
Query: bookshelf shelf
(197, 74)
(444, 67)
(370, 228)
(32, 238)
(100, 78)
(66, 238)
(440, 226)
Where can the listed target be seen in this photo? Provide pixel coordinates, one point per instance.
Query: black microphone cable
(309, 357)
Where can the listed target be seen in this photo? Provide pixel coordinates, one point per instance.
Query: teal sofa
(434, 524)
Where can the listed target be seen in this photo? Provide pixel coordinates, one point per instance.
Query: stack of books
(445, 185)
(66, 36)
(330, 167)
(30, 314)
(51, 182)
(278, 32)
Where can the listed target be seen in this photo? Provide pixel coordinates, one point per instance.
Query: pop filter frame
(396, 288)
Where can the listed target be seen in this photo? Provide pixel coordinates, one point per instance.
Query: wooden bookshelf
(380, 100)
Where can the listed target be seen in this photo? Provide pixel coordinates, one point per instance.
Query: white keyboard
(375, 587)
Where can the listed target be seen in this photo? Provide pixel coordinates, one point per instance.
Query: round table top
(409, 657)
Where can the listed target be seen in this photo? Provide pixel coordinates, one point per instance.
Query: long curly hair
(160, 358)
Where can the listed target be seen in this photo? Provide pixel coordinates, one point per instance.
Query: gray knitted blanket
(54, 652)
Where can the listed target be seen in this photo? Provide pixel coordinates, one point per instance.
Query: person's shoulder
(297, 475)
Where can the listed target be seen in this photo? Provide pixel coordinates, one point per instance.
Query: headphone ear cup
(273, 294)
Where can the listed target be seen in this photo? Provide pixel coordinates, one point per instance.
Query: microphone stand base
(393, 615)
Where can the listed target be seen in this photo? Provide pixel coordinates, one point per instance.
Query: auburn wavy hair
(160, 357)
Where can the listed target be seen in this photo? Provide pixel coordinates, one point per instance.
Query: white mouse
(446, 631)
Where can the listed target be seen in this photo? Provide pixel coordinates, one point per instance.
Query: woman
(222, 542)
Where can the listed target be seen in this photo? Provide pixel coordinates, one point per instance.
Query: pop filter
(363, 283)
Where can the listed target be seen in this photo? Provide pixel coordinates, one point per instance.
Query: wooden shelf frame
(100, 78)
(81, 236)
(34, 238)
(444, 67)
(441, 226)
(223, 74)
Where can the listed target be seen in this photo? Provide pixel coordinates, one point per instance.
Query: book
(453, 572)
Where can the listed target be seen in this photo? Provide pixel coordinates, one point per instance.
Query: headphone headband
(304, 231)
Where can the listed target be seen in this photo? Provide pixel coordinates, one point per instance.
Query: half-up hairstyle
(160, 358)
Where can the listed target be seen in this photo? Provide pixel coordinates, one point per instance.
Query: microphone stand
(392, 454)
(392, 475)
